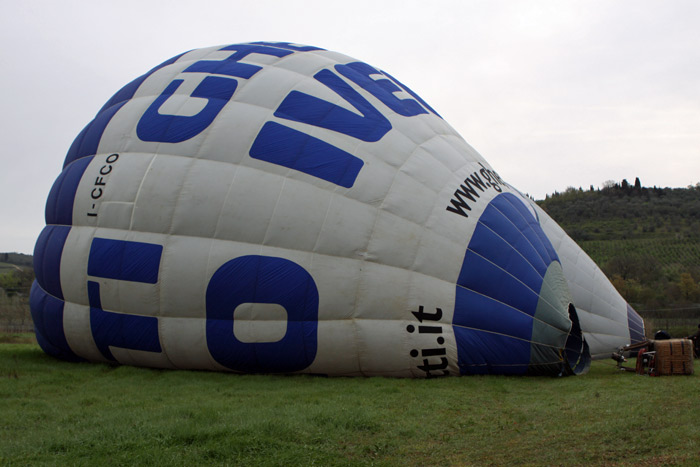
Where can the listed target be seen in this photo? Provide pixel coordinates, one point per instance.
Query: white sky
(552, 93)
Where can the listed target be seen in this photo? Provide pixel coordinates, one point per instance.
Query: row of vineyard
(668, 256)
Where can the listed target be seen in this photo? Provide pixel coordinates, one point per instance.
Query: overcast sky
(552, 93)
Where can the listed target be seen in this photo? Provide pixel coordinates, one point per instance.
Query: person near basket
(696, 342)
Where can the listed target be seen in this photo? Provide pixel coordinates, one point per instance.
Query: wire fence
(678, 322)
(15, 316)
(676, 312)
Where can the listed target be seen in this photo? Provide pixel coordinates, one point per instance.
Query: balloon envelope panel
(271, 207)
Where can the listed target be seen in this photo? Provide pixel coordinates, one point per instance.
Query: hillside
(647, 240)
(17, 259)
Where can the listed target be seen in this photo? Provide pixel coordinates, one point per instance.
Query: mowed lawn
(53, 412)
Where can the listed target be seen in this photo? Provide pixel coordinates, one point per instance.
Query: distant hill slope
(18, 259)
(647, 240)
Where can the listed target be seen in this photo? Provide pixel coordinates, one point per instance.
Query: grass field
(55, 412)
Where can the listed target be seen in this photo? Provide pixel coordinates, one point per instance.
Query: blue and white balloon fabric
(271, 207)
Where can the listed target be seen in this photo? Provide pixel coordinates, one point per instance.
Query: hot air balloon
(276, 208)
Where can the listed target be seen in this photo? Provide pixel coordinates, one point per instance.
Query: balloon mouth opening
(577, 356)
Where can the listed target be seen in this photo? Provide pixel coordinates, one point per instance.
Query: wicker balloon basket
(673, 357)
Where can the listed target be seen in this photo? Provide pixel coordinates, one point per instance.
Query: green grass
(55, 412)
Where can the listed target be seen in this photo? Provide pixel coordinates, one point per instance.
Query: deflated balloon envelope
(270, 207)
